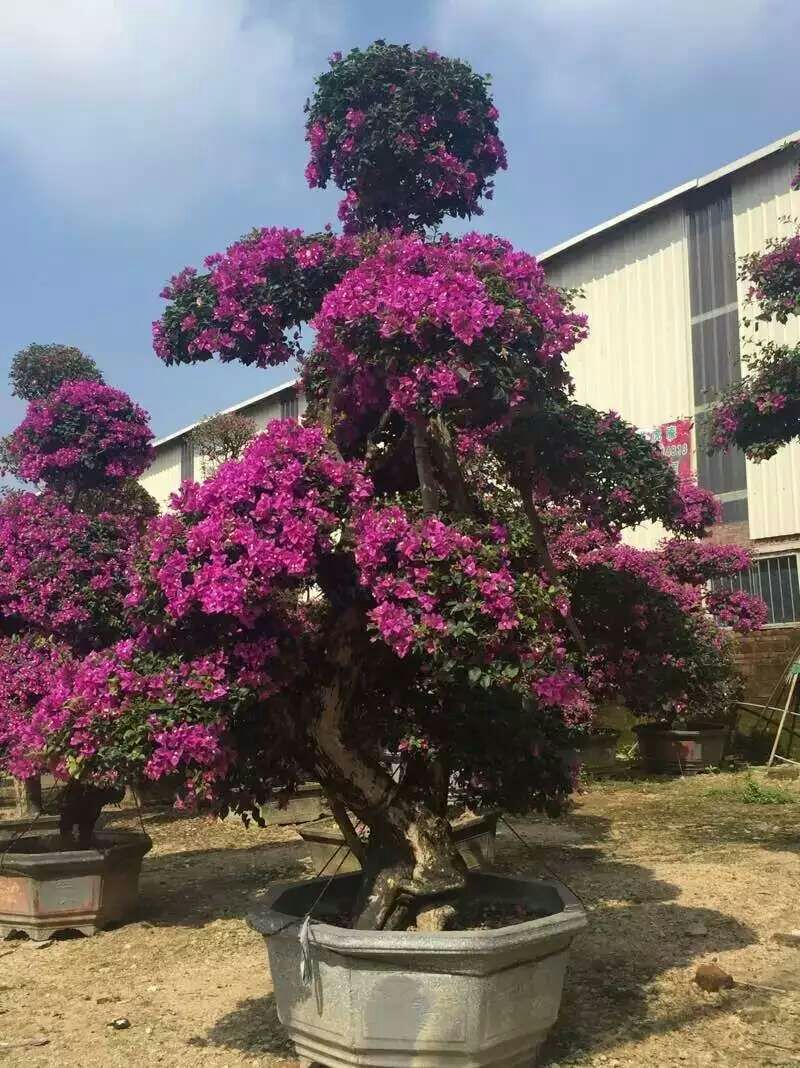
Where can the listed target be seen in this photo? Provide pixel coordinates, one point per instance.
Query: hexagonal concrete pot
(405, 999)
(307, 803)
(680, 752)
(28, 827)
(598, 752)
(44, 889)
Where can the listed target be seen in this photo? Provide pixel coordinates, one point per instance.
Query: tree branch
(450, 468)
(540, 544)
(349, 833)
(422, 456)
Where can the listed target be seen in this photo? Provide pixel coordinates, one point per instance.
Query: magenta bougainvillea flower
(84, 435)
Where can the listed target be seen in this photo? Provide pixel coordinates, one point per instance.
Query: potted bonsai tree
(62, 585)
(666, 637)
(690, 732)
(410, 571)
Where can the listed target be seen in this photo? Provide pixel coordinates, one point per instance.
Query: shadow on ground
(637, 933)
(253, 1027)
(192, 889)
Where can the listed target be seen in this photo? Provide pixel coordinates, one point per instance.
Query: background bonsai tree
(221, 437)
(38, 370)
(63, 553)
(431, 565)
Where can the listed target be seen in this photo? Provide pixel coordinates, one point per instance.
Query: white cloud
(138, 109)
(581, 55)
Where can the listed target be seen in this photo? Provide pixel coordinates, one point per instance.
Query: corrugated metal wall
(163, 476)
(761, 196)
(637, 359)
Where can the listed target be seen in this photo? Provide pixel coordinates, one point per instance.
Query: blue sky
(136, 136)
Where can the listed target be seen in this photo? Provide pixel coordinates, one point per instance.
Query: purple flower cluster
(694, 510)
(251, 303)
(409, 568)
(737, 609)
(86, 434)
(118, 712)
(29, 670)
(774, 278)
(697, 562)
(232, 545)
(439, 320)
(435, 164)
(62, 572)
(762, 412)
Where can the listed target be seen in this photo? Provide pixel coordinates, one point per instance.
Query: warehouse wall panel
(761, 197)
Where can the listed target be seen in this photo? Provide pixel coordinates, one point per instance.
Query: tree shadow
(637, 932)
(196, 887)
(252, 1027)
(617, 961)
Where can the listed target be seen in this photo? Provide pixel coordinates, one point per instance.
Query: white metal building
(660, 289)
(175, 455)
(663, 301)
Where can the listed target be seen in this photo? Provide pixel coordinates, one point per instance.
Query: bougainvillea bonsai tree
(63, 552)
(432, 565)
(762, 412)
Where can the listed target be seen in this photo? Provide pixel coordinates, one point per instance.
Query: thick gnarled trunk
(411, 861)
(80, 808)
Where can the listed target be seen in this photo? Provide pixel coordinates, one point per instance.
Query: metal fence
(775, 580)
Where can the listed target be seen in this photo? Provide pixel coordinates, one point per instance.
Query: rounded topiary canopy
(85, 435)
(38, 370)
(761, 413)
(409, 136)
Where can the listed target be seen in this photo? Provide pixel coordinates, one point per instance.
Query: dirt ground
(673, 874)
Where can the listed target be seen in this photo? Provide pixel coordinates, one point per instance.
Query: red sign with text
(675, 441)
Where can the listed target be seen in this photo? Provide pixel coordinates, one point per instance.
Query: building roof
(226, 411)
(672, 194)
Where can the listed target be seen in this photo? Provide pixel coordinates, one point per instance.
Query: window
(187, 460)
(290, 407)
(715, 338)
(775, 580)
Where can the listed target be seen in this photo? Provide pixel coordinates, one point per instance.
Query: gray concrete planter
(680, 752)
(307, 803)
(27, 827)
(44, 889)
(474, 836)
(404, 999)
(598, 752)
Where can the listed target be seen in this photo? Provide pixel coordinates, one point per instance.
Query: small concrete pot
(598, 752)
(680, 752)
(474, 836)
(307, 803)
(28, 827)
(44, 889)
(405, 999)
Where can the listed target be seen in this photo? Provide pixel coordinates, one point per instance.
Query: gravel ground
(674, 874)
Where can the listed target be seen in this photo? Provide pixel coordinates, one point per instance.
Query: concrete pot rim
(121, 845)
(269, 921)
(605, 734)
(653, 730)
